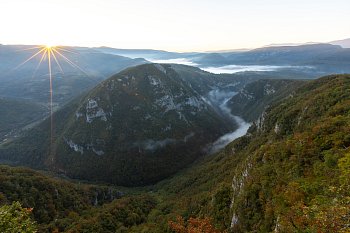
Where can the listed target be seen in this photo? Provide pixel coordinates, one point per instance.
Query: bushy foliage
(296, 180)
(192, 225)
(154, 124)
(255, 97)
(50, 198)
(118, 216)
(14, 219)
(289, 174)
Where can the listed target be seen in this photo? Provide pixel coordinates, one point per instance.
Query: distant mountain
(343, 43)
(210, 59)
(28, 82)
(90, 61)
(285, 55)
(135, 128)
(145, 53)
(322, 58)
(311, 59)
(290, 44)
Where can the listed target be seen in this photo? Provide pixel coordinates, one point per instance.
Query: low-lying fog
(227, 69)
(181, 61)
(231, 69)
(220, 98)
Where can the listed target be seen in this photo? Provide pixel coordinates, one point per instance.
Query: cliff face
(288, 174)
(294, 179)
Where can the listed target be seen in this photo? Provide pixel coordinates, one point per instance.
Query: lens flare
(52, 54)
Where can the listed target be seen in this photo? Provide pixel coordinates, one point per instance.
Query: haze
(181, 25)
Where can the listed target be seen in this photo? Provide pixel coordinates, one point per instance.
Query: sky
(173, 25)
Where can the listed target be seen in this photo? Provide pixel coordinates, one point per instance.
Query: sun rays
(52, 54)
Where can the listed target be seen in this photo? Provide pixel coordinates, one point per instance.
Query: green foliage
(155, 124)
(291, 179)
(344, 166)
(255, 97)
(14, 219)
(193, 225)
(289, 174)
(118, 216)
(221, 206)
(51, 198)
(295, 182)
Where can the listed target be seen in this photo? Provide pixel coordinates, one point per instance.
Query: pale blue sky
(175, 25)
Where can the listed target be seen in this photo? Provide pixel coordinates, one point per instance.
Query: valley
(155, 98)
(184, 116)
(238, 172)
(256, 146)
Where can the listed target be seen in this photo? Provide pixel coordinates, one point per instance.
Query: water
(224, 140)
(221, 98)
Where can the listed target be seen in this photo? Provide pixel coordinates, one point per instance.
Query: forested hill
(135, 128)
(16, 114)
(294, 174)
(290, 173)
(252, 100)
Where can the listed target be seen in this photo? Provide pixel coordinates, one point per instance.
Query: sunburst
(52, 54)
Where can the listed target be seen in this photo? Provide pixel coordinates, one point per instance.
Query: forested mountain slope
(16, 114)
(290, 173)
(138, 127)
(255, 97)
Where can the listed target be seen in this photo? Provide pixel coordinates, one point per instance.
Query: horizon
(181, 26)
(290, 44)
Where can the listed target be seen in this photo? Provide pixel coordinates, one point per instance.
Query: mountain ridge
(344, 43)
(28, 80)
(289, 173)
(165, 101)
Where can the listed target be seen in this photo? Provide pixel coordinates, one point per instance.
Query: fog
(231, 69)
(229, 137)
(221, 98)
(227, 69)
(181, 61)
(152, 145)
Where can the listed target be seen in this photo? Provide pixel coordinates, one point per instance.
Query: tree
(14, 219)
(193, 225)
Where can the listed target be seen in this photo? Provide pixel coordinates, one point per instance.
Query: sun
(52, 54)
(50, 45)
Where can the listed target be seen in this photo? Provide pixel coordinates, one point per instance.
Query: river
(221, 98)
